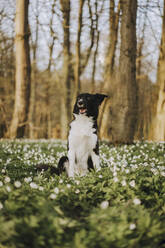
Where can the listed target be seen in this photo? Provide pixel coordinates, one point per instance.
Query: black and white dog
(83, 148)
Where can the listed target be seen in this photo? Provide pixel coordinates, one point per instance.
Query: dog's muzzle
(81, 106)
(82, 110)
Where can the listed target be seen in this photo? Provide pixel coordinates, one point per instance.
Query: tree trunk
(109, 68)
(78, 49)
(114, 23)
(48, 85)
(97, 37)
(22, 88)
(68, 73)
(32, 107)
(159, 123)
(123, 109)
(85, 60)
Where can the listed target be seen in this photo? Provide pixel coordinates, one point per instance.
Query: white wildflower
(1, 205)
(17, 184)
(100, 176)
(68, 186)
(77, 182)
(104, 204)
(61, 181)
(132, 183)
(127, 171)
(41, 188)
(115, 179)
(8, 188)
(123, 183)
(56, 190)
(132, 226)
(3, 171)
(7, 179)
(114, 173)
(1, 183)
(137, 201)
(33, 185)
(154, 171)
(163, 173)
(77, 191)
(27, 179)
(53, 196)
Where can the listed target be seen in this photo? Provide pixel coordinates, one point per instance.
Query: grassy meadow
(122, 205)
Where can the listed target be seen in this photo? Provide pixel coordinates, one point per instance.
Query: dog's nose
(80, 103)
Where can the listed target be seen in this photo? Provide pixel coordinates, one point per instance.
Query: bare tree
(110, 57)
(97, 37)
(78, 49)
(109, 66)
(7, 66)
(7, 73)
(48, 88)
(68, 74)
(85, 59)
(159, 122)
(145, 86)
(123, 109)
(34, 46)
(22, 87)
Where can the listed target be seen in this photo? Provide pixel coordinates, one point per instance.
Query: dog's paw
(71, 173)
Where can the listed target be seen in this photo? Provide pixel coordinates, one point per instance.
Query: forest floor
(122, 205)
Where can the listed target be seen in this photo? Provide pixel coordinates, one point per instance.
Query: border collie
(83, 148)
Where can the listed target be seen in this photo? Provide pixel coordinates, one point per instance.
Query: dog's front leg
(96, 161)
(71, 156)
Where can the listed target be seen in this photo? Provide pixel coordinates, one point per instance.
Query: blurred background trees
(110, 46)
(22, 72)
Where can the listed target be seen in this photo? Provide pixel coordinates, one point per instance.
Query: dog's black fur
(53, 170)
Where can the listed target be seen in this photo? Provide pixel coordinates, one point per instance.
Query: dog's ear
(100, 98)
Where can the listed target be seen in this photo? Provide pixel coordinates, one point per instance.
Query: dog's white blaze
(82, 141)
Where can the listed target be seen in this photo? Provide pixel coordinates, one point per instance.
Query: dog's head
(88, 104)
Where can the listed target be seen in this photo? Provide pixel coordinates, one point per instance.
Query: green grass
(122, 205)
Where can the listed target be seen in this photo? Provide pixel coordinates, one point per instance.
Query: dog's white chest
(82, 137)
